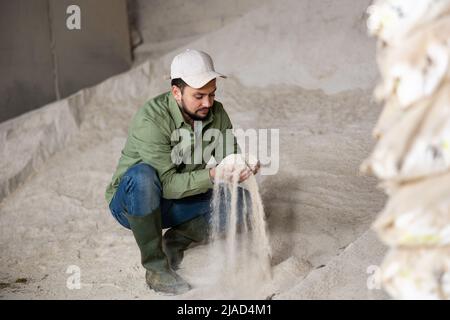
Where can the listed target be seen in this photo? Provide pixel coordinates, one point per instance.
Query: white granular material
(239, 251)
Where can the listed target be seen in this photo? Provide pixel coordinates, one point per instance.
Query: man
(151, 189)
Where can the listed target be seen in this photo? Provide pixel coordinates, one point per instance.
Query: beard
(192, 115)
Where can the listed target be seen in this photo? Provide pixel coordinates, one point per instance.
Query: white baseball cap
(194, 67)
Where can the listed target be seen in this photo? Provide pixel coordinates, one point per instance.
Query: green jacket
(158, 134)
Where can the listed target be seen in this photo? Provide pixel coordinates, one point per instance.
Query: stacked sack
(412, 154)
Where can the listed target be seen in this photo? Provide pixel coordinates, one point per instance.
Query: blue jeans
(140, 193)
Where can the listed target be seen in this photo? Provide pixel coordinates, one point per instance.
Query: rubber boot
(148, 234)
(177, 239)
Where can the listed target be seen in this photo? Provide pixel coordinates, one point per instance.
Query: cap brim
(200, 80)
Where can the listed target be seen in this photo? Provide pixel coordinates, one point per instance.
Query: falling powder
(239, 251)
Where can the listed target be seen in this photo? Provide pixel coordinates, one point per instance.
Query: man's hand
(212, 174)
(244, 173)
(255, 168)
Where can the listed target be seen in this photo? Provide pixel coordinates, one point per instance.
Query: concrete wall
(41, 60)
(26, 79)
(100, 49)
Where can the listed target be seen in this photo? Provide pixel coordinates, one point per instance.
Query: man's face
(196, 102)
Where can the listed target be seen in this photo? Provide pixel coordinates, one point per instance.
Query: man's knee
(145, 187)
(144, 177)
